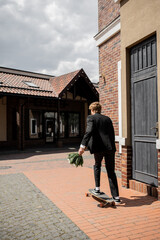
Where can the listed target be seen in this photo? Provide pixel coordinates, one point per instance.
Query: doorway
(144, 111)
(50, 130)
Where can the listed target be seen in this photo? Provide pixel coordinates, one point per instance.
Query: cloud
(49, 36)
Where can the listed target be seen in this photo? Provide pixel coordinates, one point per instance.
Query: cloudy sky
(49, 36)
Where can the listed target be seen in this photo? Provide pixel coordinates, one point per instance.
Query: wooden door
(144, 111)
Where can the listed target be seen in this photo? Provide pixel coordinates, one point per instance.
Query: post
(59, 142)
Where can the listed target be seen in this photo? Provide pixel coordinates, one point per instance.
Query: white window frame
(119, 104)
(120, 138)
(35, 133)
(30, 84)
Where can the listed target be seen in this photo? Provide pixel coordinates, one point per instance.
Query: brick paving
(39, 187)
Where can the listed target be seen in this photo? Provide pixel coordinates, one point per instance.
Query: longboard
(102, 197)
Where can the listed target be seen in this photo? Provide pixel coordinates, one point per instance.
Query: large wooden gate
(144, 111)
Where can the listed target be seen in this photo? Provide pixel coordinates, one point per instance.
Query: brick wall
(118, 157)
(143, 187)
(109, 56)
(108, 10)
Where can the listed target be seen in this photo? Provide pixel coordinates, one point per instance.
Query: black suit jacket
(99, 134)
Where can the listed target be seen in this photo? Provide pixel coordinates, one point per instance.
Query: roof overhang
(108, 32)
(77, 81)
(21, 83)
(25, 73)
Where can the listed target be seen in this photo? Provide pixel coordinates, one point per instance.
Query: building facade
(108, 42)
(40, 110)
(128, 41)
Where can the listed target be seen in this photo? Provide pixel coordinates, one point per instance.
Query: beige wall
(3, 119)
(139, 20)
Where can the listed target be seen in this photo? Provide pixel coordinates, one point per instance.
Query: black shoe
(96, 192)
(117, 201)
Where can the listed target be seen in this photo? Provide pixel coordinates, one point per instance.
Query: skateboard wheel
(113, 204)
(101, 205)
(87, 195)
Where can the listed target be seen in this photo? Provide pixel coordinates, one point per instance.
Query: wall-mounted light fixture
(103, 77)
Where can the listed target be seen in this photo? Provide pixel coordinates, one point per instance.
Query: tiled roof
(19, 82)
(12, 83)
(61, 82)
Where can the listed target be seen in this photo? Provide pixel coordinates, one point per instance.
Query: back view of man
(100, 140)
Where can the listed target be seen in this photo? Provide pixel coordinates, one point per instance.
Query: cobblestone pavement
(26, 213)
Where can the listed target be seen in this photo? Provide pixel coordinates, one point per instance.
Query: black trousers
(109, 157)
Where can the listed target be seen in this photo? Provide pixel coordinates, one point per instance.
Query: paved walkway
(43, 197)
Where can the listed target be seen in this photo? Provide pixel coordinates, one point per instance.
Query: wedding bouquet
(76, 159)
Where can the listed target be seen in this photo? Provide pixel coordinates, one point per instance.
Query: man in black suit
(100, 140)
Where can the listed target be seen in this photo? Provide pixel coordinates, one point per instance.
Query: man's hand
(81, 151)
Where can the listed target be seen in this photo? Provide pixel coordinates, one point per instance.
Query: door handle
(155, 128)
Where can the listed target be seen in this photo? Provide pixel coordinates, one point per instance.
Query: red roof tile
(61, 82)
(11, 83)
(15, 82)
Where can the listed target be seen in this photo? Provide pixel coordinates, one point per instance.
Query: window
(69, 124)
(30, 84)
(52, 115)
(33, 126)
(74, 119)
(62, 125)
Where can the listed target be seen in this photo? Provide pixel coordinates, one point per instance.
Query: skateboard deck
(102, 198)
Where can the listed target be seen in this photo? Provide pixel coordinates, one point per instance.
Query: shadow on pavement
(22, 154)
(137, 201)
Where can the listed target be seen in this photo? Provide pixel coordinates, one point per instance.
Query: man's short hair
(95, 106)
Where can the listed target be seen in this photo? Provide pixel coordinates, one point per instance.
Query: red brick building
(129, 87)
(39, 109)
(108, 41)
